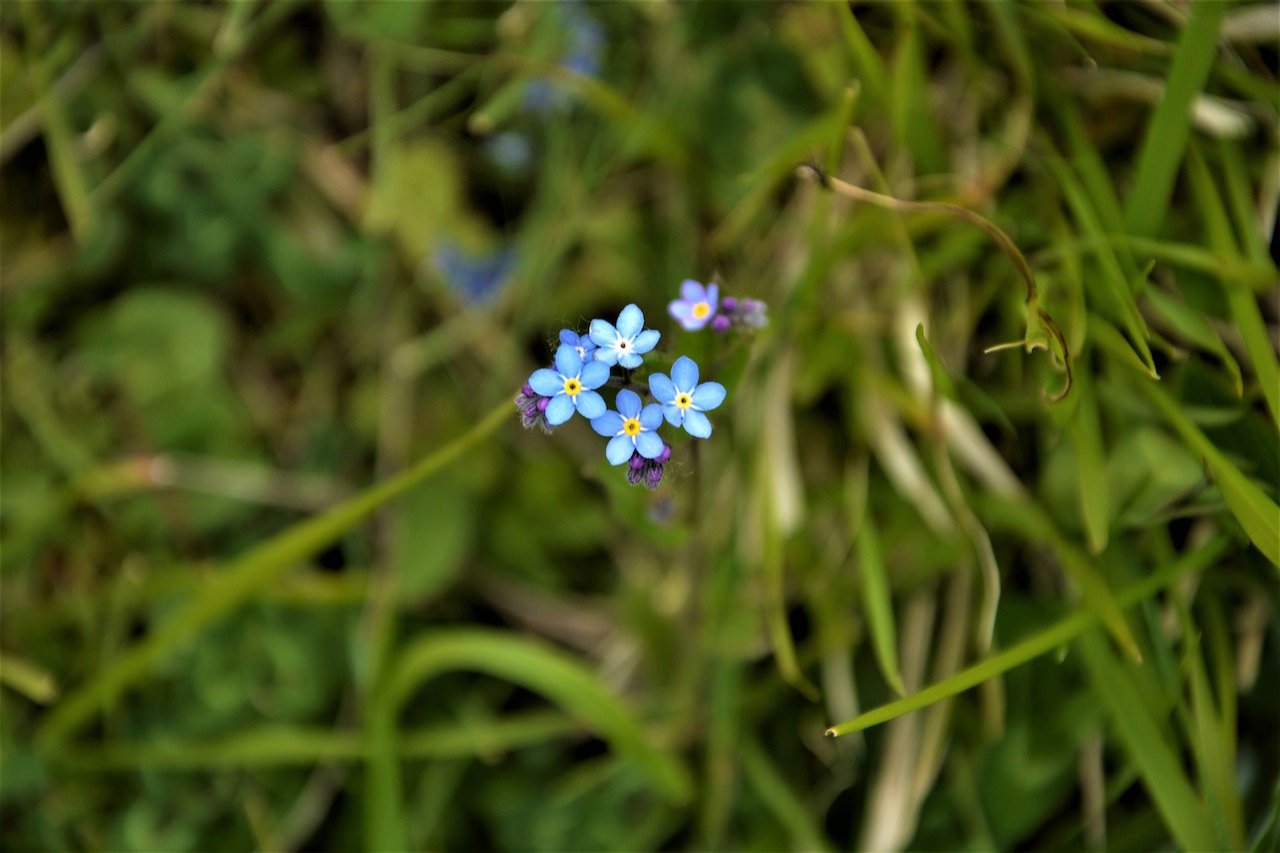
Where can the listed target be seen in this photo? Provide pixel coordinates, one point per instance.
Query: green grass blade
(1184, 813)
(1112, 290)
(1244, 308)
(774, 791)
(245, 576)
(876, 597)
(1061, 632)
(1093, 487)
(1170, 126)
(282, 745)
(1257, 513)
(549, 672)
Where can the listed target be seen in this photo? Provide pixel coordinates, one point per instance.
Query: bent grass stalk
(240, 579)
(1056, 343)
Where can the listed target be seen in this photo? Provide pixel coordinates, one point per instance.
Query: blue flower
(571, 386)
(625, 343)
(696, 305)
(582, 344)
(630, 429)
(684, 400)
(476, 277)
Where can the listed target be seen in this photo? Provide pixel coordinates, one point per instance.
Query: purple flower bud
(664, 455)
(543, 402)
(652, 475)
(720, 323)
(637, 461)
(729, 304)
(527, 390)
(634, 475)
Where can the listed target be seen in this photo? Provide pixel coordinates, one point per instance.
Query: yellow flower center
(700, 310)
(631, 426)
(572, 387)
(683, 401)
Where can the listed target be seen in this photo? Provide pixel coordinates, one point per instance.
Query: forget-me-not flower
(631, 429)
(476, 276)
(571, 386)
(625, 343)
(696, 305)
(582, 344)
(684, 400)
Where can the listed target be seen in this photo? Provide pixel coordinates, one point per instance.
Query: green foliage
(279, 570)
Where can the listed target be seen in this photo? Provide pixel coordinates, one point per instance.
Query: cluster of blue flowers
(584, 363)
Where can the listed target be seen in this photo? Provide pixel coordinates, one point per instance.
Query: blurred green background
(259, 258)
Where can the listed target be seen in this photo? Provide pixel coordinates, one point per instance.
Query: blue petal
(660, 387)
(603, 333)
(684, 373)
(683, 314)
(692, 291)
(607, 356)
(646, 340)
(628, 403)
(630, 321)
(546, 382)
(594, 374)
(708, 395)
(630, 361)
(651, 416)
(619, 449)
(713, 296)
(567, 361)
(559, 410)
(609, 424)
(674, 414)
(696, 424)
(567, 336)
(649, 445)
(590, 404)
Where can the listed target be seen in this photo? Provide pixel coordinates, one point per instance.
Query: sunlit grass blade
(579, 692)
(244, 577)
(1167, 133)
(1184, 812)
(1060, 633)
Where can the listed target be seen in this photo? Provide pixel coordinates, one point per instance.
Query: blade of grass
(1243, 305)
(1167, 133)
(68, 173)
(1057, 635)
(879, 605)
(1215, 758)
(774, 791)
(280, 745)
(550, 672)
(1184, 813)
(1085, 429)
(244, 577)
(1112, 287)
(1257, 513)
